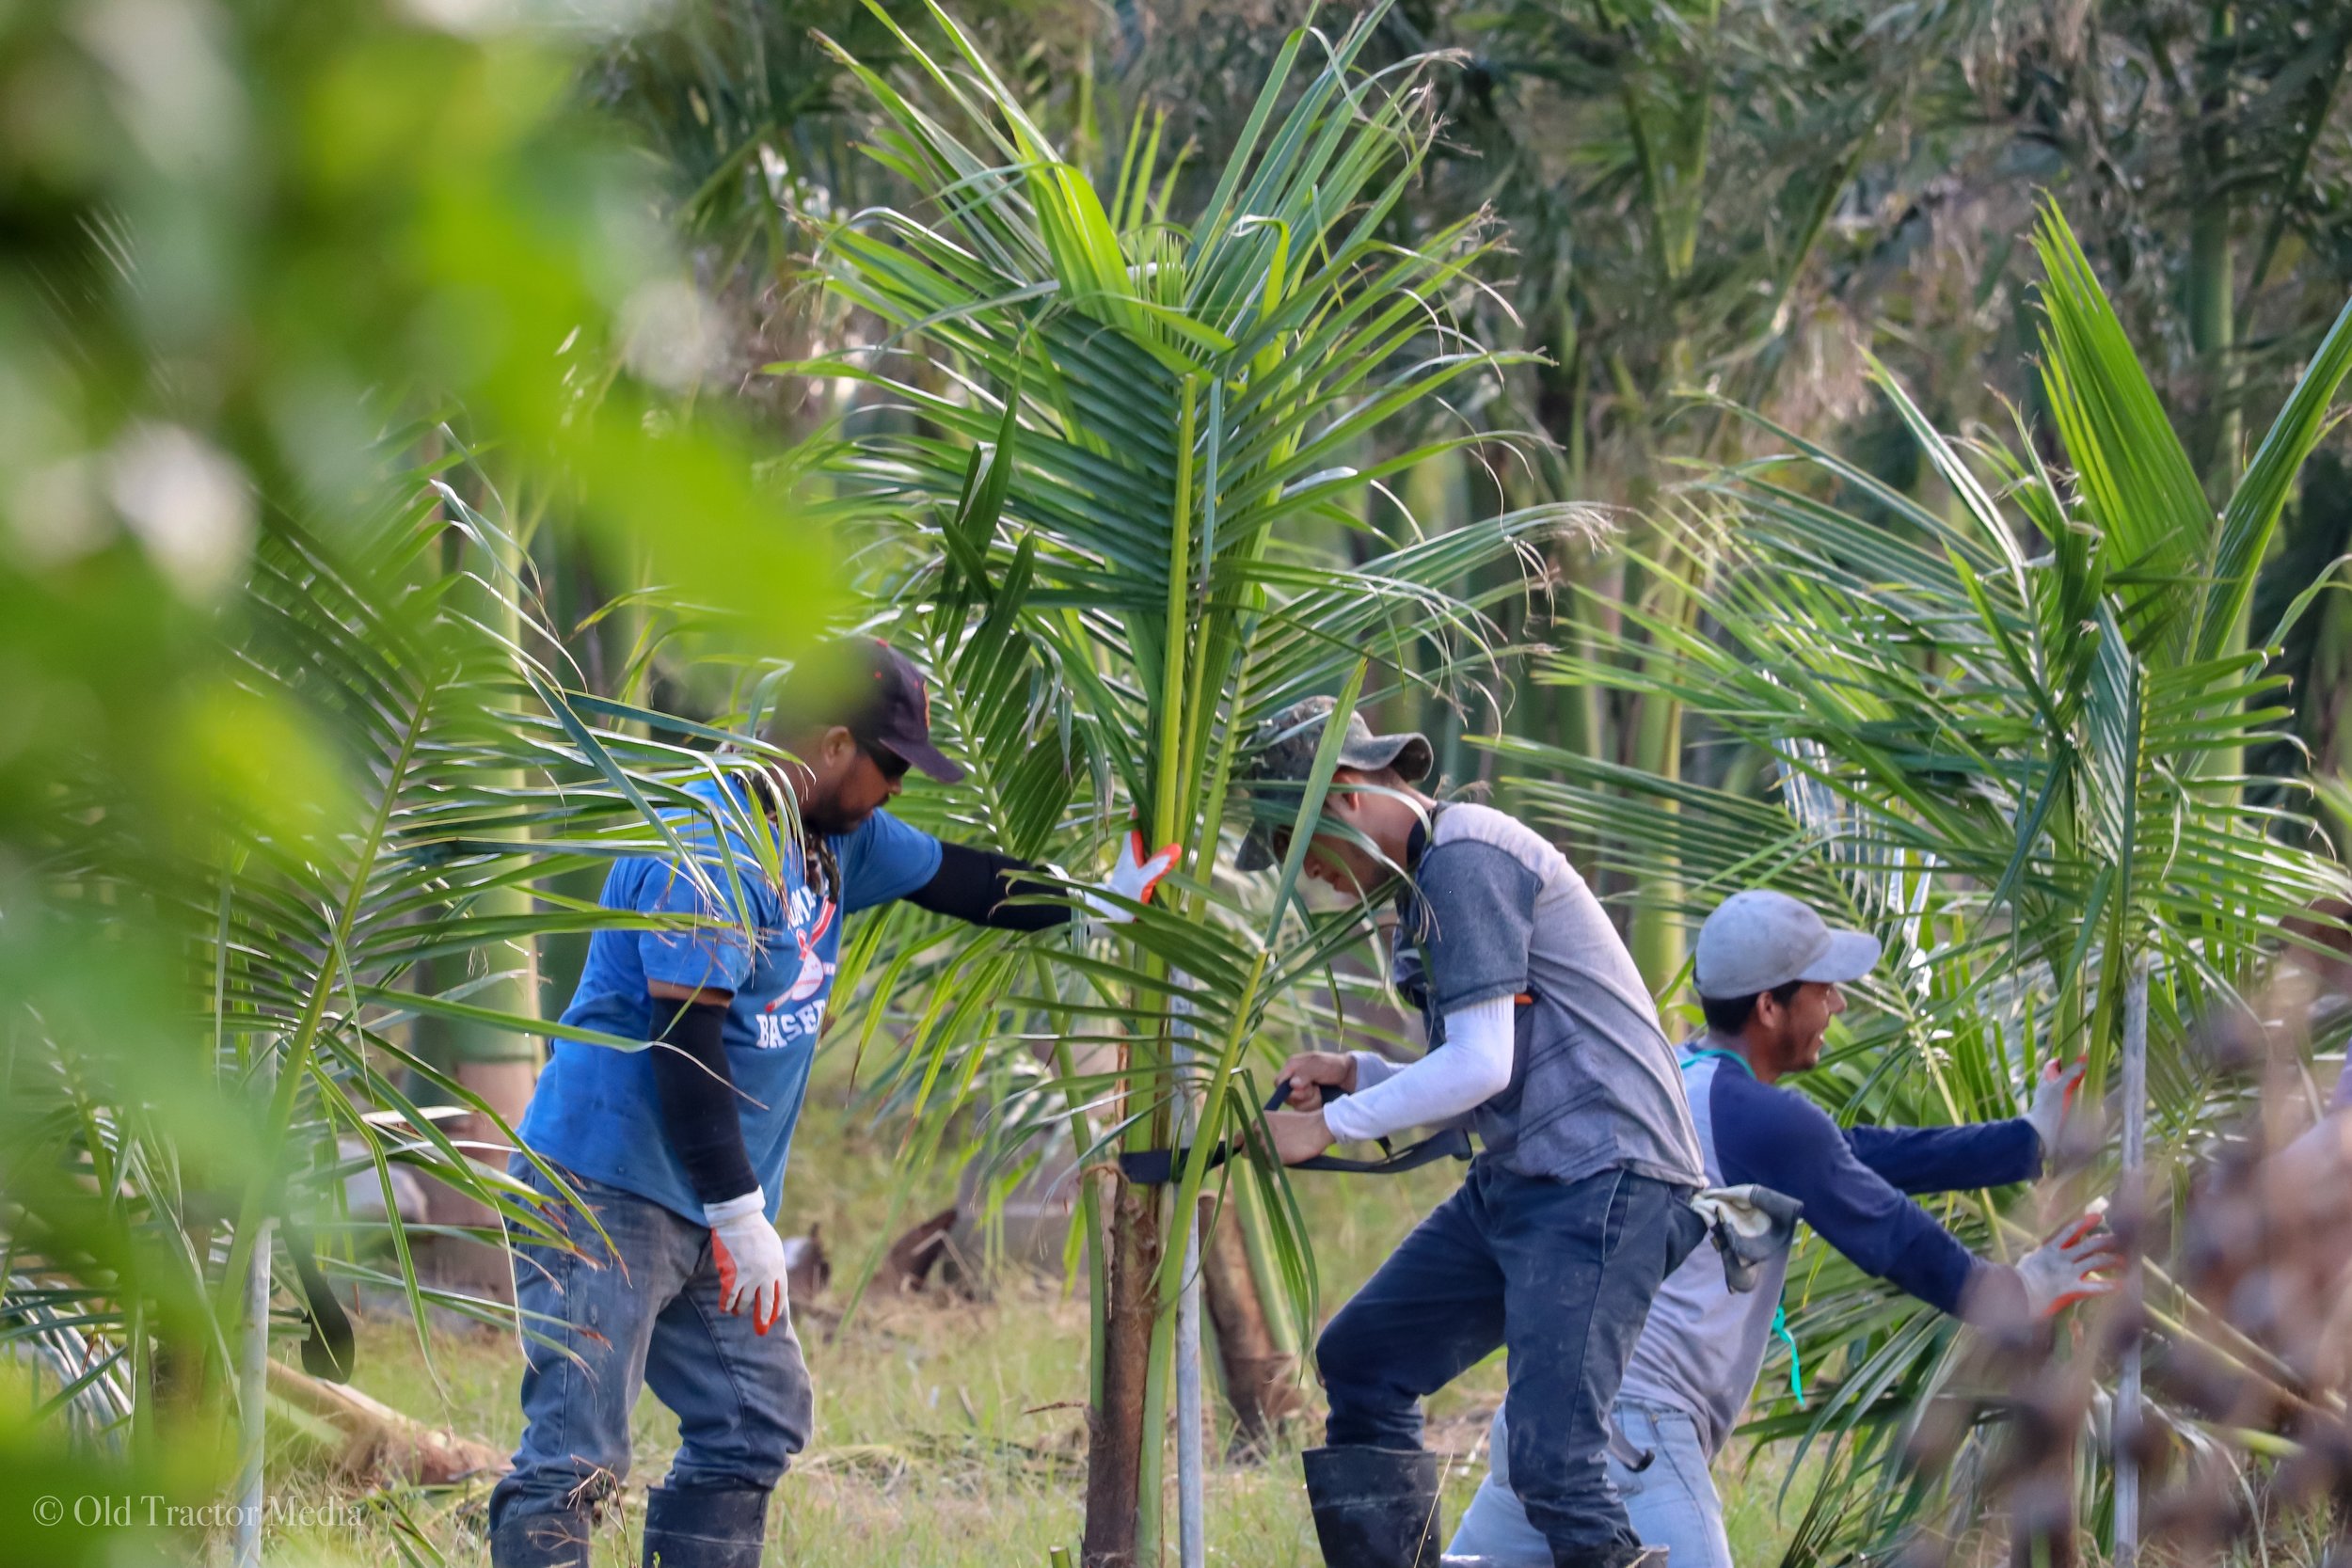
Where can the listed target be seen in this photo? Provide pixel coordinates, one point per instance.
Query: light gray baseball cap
(1759, 940)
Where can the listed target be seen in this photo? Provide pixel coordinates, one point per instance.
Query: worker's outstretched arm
(1949, 1159)
(1989, 1154)
(1781, 1140)
(976, 885)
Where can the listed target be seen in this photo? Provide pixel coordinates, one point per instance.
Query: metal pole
(252, 1393)
(253, 1368)
(1191, 1537)
(2124, 1428)
(1191, 1544)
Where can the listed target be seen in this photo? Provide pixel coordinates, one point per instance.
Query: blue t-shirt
(595, 1109)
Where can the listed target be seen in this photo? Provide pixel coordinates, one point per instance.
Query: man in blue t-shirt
(1768, 970)
(679, 1151)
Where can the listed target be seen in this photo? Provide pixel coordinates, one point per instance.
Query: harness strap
(1157, 1167)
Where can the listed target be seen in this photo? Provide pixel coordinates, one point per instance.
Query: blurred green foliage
(259, 263)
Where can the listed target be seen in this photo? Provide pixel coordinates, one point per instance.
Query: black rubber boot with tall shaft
(1375, 1507)
(558, 1540)
(704, 1528)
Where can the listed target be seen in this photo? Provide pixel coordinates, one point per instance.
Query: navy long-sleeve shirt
(1703, 1344)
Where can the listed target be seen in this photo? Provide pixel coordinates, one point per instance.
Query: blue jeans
(1562, 1274)
(1671, 1500)
(643, 1314)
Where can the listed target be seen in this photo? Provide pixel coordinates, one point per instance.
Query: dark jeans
(1561, 1274)
(649, 1317)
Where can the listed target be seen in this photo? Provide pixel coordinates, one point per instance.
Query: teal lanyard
(1780, 1314)
(1796, 1371)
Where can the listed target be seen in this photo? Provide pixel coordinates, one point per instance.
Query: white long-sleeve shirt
(1473, 1066)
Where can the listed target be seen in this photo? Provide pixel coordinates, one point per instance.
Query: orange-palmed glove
(2053, 1103)
(749, 1255)
(2066, 1268)
(1132, 878)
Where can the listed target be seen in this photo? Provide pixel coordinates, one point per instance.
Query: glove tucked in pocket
(1750, 1227)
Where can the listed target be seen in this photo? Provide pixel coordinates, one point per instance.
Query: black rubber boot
(557, 1540)
(704, 1528)
(1375, 1507)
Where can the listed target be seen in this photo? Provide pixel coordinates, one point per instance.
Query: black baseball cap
(879, 696)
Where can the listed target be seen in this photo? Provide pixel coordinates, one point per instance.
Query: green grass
(948, 1431)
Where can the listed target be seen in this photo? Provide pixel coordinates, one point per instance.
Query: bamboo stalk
(1187, 1326)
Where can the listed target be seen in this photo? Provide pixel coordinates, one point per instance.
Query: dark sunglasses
(891, 764)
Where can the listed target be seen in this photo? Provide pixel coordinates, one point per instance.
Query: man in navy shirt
(1767, 969)
(679, 1149)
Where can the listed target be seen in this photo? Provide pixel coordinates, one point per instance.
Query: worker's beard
(820, 819)
(824, 817)
(819, 815)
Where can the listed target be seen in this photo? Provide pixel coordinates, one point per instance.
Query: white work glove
(2053, 1103)
(2061, 1271)
(1132, 878)
(750, 1259)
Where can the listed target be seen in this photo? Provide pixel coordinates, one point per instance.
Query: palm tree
(286, 721)
(427, 774)
(2005, 732)
(1105, 529)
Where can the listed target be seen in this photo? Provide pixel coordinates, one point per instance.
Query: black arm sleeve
(973, 884)
(696, 1088)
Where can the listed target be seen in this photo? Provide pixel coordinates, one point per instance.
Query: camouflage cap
(1284, 751)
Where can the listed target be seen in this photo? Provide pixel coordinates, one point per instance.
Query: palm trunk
(1116, 1438)
(1257, 1368)
(1127, 1443)
(2212, 313)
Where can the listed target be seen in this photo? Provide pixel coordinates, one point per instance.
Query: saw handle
(1282, 1094)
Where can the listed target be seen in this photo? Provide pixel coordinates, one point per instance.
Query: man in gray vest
(1768, 972)
(1543, 1036)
